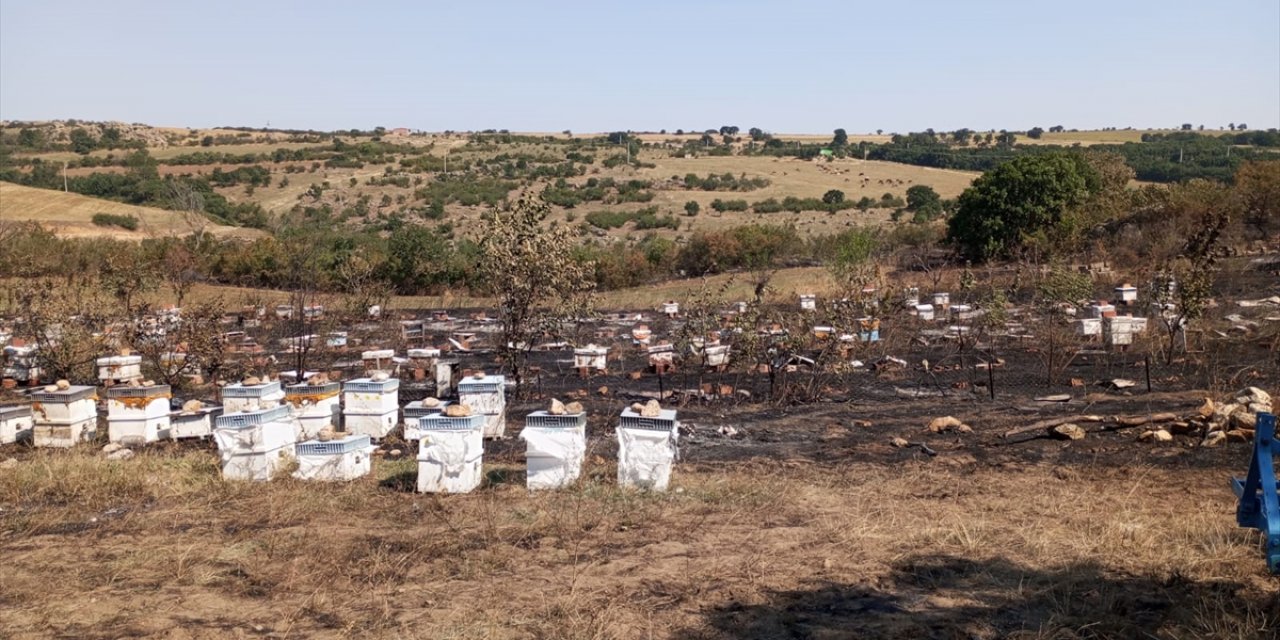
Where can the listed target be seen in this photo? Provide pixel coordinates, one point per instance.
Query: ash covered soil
(838, 517)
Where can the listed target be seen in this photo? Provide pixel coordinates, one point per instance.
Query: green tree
(415, 255)
(1035, 132)
(852, 265)
(110, 138)
(840, 139)
(1018, 200)
(82, 142)
(922, 197)
(30, 138)
(692, 208)
(206, 141)
(834, 196)
(538, 284)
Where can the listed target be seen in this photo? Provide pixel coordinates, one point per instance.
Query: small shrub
(114, 220)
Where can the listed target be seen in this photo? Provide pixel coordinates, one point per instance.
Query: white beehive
(912, 297)
(15, 423)
(1088, 327)
(647, 449)
(671, 308)
(808, 302)
(487, 396)
(334, 460)
(662, 355)
(254, 445)
(20, 363)
(941, 299)
(1102, 310)
(138, 415)
(369, 396)
(119, 368)
(591, 357)
(1127, 293)
(554, 448)
(423, 358)
(717, 355)
(284, 311)
(416, 410)
(193, 424)
(740, 307)
(378, 360)
(314, 406)
(64, 417)
(923, 311)
(1119, 330)
(238, 398)
(450, 454)
(641, 334)
(76, 403)
(294, 344)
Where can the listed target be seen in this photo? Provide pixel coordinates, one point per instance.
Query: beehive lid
(245, 419)
(665, 421)
(312, 389)
(441, 422)
(482, 385)
(369, 385)
(416, 410)
(378, 354)
(119, 361)
(153, 391)
(350, 443)
(70, 394)
(238, 390)
(562, 421)
(9, 412)
(424, 353)
(198, 414)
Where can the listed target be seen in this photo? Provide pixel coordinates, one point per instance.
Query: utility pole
(1179, 155)
(64, 176)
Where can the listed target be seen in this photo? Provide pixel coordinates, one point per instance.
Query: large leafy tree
(1020, 203)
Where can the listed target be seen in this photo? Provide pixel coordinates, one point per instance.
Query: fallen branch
(1044, 425)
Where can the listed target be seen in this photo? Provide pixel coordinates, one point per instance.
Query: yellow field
(70, 215)
(1086, 138)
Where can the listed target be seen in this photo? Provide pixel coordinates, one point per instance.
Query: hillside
(70, 215)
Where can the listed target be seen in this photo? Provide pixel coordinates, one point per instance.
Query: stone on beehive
(557, 408)
(457, 411)
(651, 409)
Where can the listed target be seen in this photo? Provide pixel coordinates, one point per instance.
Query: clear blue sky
(795, 66)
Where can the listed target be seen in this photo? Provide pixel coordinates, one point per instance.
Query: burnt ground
(791, 515)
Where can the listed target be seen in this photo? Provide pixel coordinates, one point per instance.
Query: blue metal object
(1259, 498)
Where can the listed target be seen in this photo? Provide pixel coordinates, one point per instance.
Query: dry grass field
(785, 286)
(872, 542)
(70, 214)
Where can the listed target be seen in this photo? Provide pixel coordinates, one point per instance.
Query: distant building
(400, 131)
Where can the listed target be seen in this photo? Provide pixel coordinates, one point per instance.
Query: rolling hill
(71, 215)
